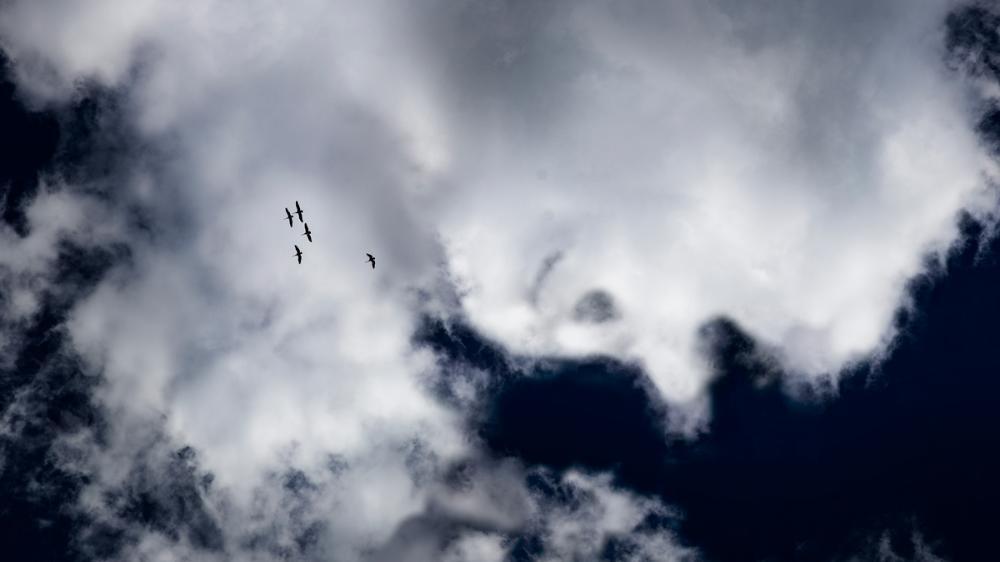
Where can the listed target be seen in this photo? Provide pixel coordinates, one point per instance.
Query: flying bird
(371, 258)
(289, 213)
(298, 211)
(298, 253)
(308, 234)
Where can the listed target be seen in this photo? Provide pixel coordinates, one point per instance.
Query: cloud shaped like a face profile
(595, 178)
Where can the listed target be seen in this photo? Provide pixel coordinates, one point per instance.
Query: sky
(673, 281)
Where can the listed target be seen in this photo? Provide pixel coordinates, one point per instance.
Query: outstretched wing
(370, 257)
(289, 216)
(297, 208)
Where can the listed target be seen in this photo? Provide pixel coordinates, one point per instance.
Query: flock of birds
(308, 233)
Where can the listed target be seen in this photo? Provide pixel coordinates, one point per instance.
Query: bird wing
(371, 257)
(297, 208)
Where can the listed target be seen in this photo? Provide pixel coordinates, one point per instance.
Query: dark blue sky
(908, 449)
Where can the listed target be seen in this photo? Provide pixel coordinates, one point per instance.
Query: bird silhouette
(298, 211)
(289, 213)
(298, 253)
(371, 258)
(308, 233)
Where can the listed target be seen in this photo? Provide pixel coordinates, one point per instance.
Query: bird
(298, 253)
(371, 258)
(308, 233)
(298, 211)
(289, 213)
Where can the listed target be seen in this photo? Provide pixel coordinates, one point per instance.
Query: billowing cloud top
(574, 178)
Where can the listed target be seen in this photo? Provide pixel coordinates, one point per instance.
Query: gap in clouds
(28, 142)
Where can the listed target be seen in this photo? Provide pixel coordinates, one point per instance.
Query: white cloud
(56, 43)
(27, 278)
(476, 546)
(578, 522)
(786, 167)
(596, 513)
(791, 180)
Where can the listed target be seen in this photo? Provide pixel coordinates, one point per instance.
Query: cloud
(781, 170)
(792, 183)
(59, 222)
(915, 548)
(574, 178)
(593, 514)
(93, 40)
(575, 516)
(477, 546)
